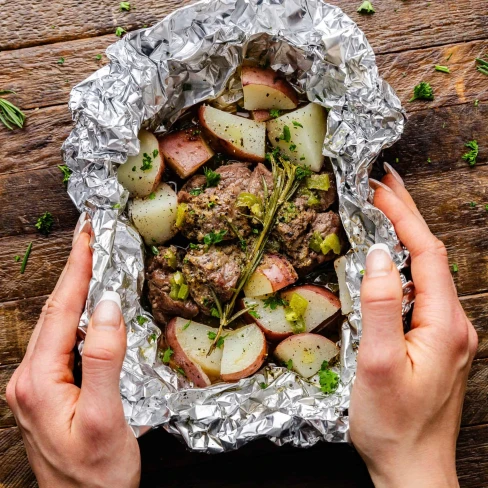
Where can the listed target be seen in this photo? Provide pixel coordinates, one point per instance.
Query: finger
(430, 267)
(394, 181)
(102, 357)
(383, 341)
(57, 335)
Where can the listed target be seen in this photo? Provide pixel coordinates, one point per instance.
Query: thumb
(103, 354)
(383, 340)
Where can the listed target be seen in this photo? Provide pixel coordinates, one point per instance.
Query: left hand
(75, 437)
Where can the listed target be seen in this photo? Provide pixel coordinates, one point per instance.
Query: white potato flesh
(140, 183)
(322, 304)
(244, 353)
(244, 138)
(194, 341)
(306, 135)
(261, 97)
(344, 295)
(155, 216)
(307, 352)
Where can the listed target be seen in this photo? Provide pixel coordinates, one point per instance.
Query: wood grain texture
(29, 23)
(26, 196)
(472, 457)
(38, 144)
(439, 135)
(476, 308)
(6, 416)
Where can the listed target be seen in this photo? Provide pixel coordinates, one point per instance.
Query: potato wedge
(322, 306)
(300, 135)
(273, 273)
(190, 343)
(185, 151)
(264, 88)
(344, 295)
(244, 353)
(307, 352)
(155, 215)
(141, 174)
(238, 137)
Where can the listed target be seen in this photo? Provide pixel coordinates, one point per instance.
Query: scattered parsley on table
(44, 223)
(423, 91)
(472, 154)
(366, 8)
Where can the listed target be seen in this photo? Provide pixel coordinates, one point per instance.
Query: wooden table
(409, 38)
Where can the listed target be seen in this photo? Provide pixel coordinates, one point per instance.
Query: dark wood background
(409, 38)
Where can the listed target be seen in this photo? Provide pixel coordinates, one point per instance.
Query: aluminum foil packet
(328, 59)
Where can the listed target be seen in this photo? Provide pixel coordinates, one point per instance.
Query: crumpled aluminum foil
(326, 57)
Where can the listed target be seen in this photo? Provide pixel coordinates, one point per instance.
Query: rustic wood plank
(6, 416)
(15, 471)
(464, 84)
(472, 457)
(38, 144)
(439, 135)
(428, 23)
(476, 308)
(45, 264)
(26, 196)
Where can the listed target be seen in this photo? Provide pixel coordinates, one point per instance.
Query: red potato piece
(261, 115)
(185, 151)
(307, 352)
(264, 89)
(190, 343)
(239, 137)
(244, 353)
(322, 306)
(273, 273)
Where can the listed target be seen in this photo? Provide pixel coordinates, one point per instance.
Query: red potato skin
(185, 151)
(251, 369)
(226, 146)
(252, 75)
(261, 115)
(278, 270)
(193, 371)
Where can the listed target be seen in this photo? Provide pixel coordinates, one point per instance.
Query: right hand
(407, 399)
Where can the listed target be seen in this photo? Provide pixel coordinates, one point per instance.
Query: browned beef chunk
(305, 259)
(317, 200)
(217, 268)
(160, 268)
(213, 208)
(260, 177)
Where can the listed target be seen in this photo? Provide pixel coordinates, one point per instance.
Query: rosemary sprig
(286, 180)
(10, 115)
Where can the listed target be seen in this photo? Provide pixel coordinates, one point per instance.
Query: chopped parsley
(455, 268)
(482, 66)
(155, 250)
(292, 147)
(26, 257)
(152, 195)
(120, 31)
(443, 69)
(286, 135)
(366, 8)
(486, 207)
(274, 113)
(476, 103)
(214, 237)
(328, 379)
(66, 172)
(254, 314)
(303, 172)
(147, 162)
(186, 325)
(297, 124)
(212, 177)
(211, 204)
(196, 191)
(423, 91)
(193, 246)
(212, 335)
(45, 223)
(274, 301)
(17, 259)
(255, 231)
(60, 61)
(263, 385)
(153, 337)
(472, 204)
(289, 364)
(117, 205)
(180, 370)
(449, 57)
(167, 355)
(98, 57)
(472, 154)
(124, 6)
(141, 320)
(214, 312)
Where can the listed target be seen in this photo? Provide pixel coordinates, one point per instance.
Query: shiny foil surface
(328, 59)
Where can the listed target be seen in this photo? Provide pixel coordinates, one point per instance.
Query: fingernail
(391, 171)
(378, 261)
(83, 225)
(108, 312)
(375, 184)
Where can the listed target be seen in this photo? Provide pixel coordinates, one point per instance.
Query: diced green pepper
(252, 202)
(313, 199)
(178, 278)
(315, 242)
(331, 243)
(318, 182)
(170, 256)
(183, 292)
(298, 304)
(174, 291)
(181, 214)
(295, 311)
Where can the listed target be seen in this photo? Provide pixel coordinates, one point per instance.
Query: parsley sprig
(472, 154)
(66, 172)
(423, 91)
(329, 380)
(212, 177)
(44, 223)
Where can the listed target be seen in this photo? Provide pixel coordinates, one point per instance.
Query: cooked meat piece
(213, 208)
(305, 259)
(318, 200)
(217, 268)
(159, 271)
(256, 185)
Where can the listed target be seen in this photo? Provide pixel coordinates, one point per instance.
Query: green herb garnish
(45, 223)
(66, 172)
(98, 57)
(443, 69)
(292, 147)
(167, 355)
(302, 172)
(152, 196)
(180, 370)
(212, 177)
(220, 341)
(274, 113)
(483, 66)
(141, 320)
(286, 135)
(124, 6)
(275, 301)
(472, 204)
(193, 246)
(423, 91)
(196, 191)
(155, 250)
(186, 325)
(214, 312)
(214, 237)
(26, 257)
(254, 314)
(60, 61)
(289, 364)
(263, 385)
(366, 8)
(17, 259)
(120, 31)
(10, 115)
(328, 379)
(472, 154)
(455, 268)
(153, 338)
(297, 124)
(146, 162)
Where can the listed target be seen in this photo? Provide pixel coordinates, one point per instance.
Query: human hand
(75, 437)
(407, 398)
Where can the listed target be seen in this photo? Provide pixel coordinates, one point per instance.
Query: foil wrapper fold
(327, 58)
